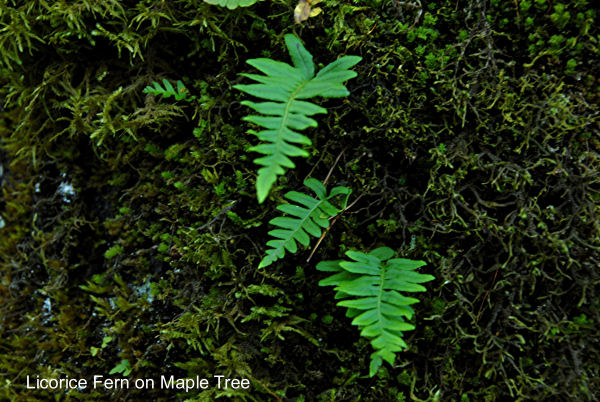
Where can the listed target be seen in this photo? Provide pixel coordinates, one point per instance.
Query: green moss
(113, 252)
(471, 133)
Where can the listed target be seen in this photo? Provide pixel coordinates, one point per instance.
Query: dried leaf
(304, 10)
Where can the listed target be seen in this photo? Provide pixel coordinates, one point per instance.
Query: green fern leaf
(308, 217)
(179, 93)
(370, 286)
(231, 4)
(284, 113)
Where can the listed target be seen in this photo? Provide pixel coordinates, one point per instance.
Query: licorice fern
(283, 86)
(231, 4)
(370, 285)
(308, 217)
(180, 93)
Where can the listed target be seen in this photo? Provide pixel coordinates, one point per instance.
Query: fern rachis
(285, 113)
(370, 285)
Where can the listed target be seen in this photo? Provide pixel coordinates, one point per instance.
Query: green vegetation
(286, 85)
(130, 234)
(308, 217)
(370, 285)
(167, 90)
(231, 4)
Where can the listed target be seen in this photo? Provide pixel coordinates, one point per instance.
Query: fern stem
(331, 224)
(380, 298)
(284, 121)
(334, 165)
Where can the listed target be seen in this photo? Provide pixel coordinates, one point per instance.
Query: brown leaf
(302, 11)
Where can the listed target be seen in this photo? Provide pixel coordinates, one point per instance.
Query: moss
(471, 133)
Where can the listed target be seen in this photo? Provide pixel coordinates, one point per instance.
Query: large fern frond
(370, 285)
(283, 86)
(231, 4)
(307, 218)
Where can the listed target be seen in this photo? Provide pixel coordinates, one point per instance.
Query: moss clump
(471, 132)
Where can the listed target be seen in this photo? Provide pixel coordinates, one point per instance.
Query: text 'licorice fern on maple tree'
(370, 285)
(283, 86)
(309, 217)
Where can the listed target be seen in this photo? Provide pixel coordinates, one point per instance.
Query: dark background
(471, 133)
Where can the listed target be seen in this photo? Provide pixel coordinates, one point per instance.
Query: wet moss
(131, 232)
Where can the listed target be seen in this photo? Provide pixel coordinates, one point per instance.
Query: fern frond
(180, 93)
(370, 285)
(308, 217)
(284, 113)
(231, 4)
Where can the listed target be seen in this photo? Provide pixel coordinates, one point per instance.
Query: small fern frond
(180, 93)
(308, 217)
(284, 113)
(370, 286)
(231, 4)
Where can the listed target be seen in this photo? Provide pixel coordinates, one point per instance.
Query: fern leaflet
(231, 4)
(370, 285)
(307, 218)
(283, 86)
(180, 93)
